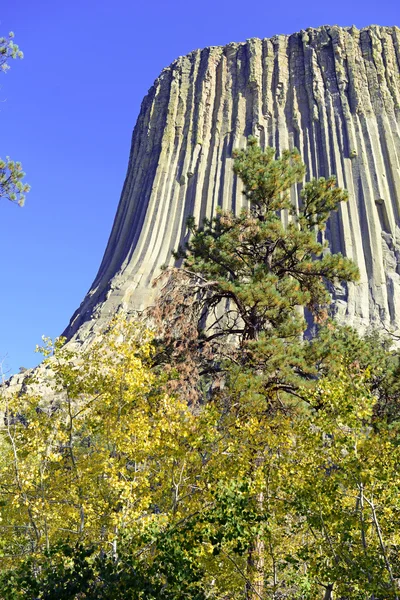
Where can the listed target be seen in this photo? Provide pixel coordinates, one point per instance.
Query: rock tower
(332, 92)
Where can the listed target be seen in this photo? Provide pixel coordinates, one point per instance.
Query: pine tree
(237, 308)
(247, 279)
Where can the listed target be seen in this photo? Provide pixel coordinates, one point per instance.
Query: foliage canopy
(12, 186)
(222, 455)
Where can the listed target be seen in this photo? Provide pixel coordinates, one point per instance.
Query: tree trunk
(255, 565)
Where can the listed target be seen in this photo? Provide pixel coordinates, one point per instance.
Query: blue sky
(67, 112)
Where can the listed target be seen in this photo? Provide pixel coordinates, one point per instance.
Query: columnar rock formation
(332, 92)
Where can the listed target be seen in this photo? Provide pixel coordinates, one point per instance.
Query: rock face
(332, 92)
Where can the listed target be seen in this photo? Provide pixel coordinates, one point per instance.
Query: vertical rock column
(332, 92)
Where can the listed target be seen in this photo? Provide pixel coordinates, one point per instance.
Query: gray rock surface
(332, 92)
